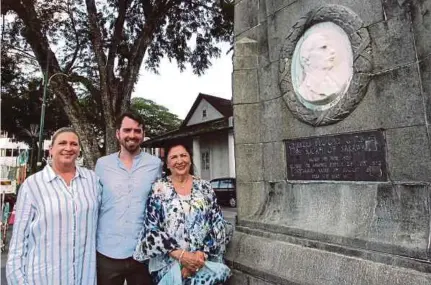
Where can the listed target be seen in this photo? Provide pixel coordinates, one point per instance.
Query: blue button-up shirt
(124, 197)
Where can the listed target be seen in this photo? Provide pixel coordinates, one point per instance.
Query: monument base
(258, 257)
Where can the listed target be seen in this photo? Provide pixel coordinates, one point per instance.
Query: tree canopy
(158, 120)
(101, 44)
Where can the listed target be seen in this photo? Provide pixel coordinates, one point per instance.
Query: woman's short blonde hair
(64, 130)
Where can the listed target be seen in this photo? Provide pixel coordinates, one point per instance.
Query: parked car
(225, 190)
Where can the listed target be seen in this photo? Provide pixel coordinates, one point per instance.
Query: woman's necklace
(183, 184)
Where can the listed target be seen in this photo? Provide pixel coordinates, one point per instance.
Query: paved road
(229, 214)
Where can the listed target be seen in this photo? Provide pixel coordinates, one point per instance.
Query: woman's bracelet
(181, 255)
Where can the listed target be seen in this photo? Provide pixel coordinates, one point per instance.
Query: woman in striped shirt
(54, 235)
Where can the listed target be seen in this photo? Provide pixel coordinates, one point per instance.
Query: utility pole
(46, 82)
(42, 114)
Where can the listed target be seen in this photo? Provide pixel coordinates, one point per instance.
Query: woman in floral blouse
(185, 234)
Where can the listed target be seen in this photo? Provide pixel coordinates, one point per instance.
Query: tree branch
(95, 92)
(78, 46)
(117, 35)
(39, 43)
(137, 55)
(97, 42)
(23, 52)
(148, 8)
(112, 54)
(139, 48)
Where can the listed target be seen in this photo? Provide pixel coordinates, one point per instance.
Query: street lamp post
(46, 82)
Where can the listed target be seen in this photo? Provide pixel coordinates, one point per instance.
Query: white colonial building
(207, 131)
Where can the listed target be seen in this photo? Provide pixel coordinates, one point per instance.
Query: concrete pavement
(229, 214)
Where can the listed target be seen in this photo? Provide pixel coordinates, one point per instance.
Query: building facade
(207, 131)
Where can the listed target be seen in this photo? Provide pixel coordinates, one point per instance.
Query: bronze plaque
(344, 157)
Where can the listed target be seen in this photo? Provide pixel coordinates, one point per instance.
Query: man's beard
(130, 148)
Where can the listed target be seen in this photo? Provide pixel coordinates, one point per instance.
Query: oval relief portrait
(325, 65)
(322, 66)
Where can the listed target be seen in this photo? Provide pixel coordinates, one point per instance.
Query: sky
(177, 91)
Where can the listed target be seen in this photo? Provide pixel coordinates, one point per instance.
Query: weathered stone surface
(262, 11)
(400, 218)
(335, 209)
(425, 71)
(268, 86)
(397, 101)
(238, 278)
(247, 123)
(274, 122)
(379, 217)
(256, 281)
(392, 43)
(245, 86)
(245, 62)
(393, 8)
(421, 17)
(246, 15)
(246, 54)
(274, 162)
(246, 47)
(291, 232)
(251, 198)
(409, 155)
(259, 34)
(249, 162)
(370, 11)
(283, 20)
(301, 265)
(274, 5)
(421, 20)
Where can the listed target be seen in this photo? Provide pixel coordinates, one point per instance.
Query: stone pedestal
(326, 229)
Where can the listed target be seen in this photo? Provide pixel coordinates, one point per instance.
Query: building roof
(199, 129)
(224, 106)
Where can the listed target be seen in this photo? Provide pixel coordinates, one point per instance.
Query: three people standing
(70, 221)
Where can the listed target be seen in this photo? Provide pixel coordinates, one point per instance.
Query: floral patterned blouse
(194, 223)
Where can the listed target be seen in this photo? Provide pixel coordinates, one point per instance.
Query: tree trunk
(111, 143)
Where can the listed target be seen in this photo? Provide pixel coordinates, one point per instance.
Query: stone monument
(332, 112)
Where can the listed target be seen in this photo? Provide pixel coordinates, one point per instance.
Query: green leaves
(101, 45)
(158, 120)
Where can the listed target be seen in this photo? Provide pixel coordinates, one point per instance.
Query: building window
(204, 113)
(205, 160)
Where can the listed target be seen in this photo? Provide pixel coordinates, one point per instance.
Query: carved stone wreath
(361, 48)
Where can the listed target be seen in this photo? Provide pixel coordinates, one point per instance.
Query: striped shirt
(54, 235)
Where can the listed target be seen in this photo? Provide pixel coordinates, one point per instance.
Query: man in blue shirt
(126, 177)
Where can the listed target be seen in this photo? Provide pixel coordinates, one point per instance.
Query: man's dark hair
(135, 116)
